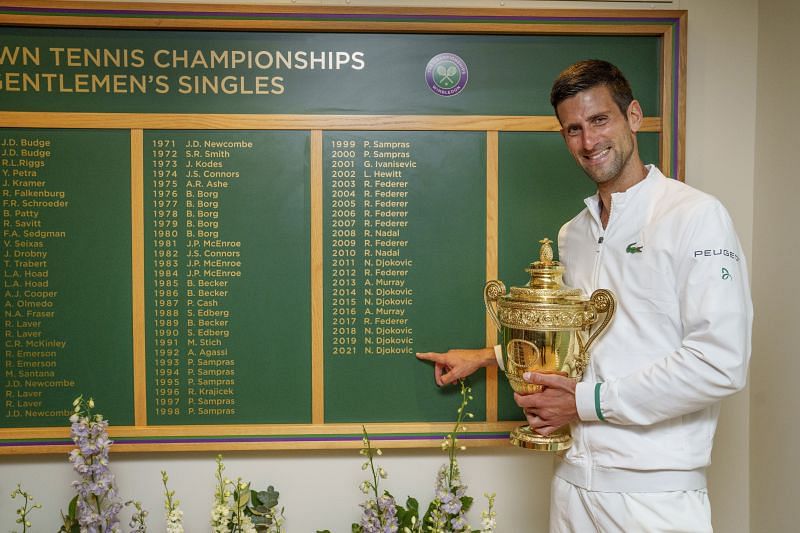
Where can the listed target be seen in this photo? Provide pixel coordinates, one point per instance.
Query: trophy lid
(545, 303)
(545, 285)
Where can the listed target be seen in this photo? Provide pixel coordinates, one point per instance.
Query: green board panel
(227, 252)
(65, 251)
(227, 277)
(540, 188)
(299, 73)
(404, 254)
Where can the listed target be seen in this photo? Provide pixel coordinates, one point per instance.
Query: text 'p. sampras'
(182, 71)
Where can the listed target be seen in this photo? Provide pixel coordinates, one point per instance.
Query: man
(644, 416)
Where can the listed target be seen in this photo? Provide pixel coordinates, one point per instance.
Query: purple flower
(98, 504)
(459, 523)
(451, 504)
(380, 516)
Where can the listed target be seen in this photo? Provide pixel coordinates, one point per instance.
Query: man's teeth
(598, 154)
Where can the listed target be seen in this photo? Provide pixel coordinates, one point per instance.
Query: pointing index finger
(428, 356)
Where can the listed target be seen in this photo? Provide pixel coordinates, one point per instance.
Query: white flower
(219, 515)
(175, 521)
(247, 525)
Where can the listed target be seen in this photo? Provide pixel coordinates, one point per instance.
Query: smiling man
(644, 415)
(599, 124)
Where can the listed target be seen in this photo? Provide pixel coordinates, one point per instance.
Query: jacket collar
(620, 199)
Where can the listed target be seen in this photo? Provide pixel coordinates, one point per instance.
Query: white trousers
(575, 510)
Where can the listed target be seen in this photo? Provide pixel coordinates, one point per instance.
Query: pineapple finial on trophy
(546, 252)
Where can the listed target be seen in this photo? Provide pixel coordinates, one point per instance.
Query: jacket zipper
(595, 284)
(598, 255)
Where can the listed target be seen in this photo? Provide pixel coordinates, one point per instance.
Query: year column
(166, 282)
(343, 249)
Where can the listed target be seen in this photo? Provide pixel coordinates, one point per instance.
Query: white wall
(319, 489)
(775, 436)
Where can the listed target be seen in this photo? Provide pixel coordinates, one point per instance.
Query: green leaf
(412, 504)
(429, 512)
(408, 516)
(242, 499)
(256, 507)
(70, 521)
(466, 502)
(263, 502)
(73, 508)
(270, 497)
(260, 523)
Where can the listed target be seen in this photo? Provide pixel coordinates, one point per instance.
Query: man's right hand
(453, 365)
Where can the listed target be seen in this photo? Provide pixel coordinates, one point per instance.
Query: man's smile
(597, 156)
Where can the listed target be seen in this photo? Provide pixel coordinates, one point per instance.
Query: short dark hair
(587, 74)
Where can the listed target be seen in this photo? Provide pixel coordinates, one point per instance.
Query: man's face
(598, 135)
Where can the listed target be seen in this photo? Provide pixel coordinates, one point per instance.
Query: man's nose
(589, 139)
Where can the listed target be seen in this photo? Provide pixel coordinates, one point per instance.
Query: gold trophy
(546, 327)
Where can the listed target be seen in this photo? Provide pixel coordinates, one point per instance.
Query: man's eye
(599, 121)
(573, 131)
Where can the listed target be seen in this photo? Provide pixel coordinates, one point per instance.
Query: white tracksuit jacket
(680, 340)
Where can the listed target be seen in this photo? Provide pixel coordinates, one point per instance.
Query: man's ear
(635, 115)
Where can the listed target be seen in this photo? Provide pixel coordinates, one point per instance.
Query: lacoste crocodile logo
(633, 249)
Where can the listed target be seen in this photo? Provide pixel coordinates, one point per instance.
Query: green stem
(239, 507)
(221, 489)
(167, 493)
(97, 499)
(25, 513)
(375, 476)
(456, 429)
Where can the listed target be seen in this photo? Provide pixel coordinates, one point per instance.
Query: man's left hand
(551, 408)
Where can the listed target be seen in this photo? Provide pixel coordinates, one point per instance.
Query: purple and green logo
(446, 74)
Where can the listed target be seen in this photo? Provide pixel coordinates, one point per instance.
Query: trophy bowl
(546, 327)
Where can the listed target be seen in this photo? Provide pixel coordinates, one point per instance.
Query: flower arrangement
(380, 512)
(445, 514)
(238, 509)
(137, 522)
(96, 506)
(24, 512)
(172, 507)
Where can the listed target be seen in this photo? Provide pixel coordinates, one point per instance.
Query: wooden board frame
(668, 26)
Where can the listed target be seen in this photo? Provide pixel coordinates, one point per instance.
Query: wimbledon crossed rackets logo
(446, 74)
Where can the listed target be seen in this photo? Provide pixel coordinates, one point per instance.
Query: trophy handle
(603, 301)
(491, 293)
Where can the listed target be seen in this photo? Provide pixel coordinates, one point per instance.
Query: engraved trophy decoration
(546, 327)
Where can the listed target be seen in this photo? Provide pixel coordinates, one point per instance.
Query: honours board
(240, 238)
(227, 260)
(66, 268)
(404, 240)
